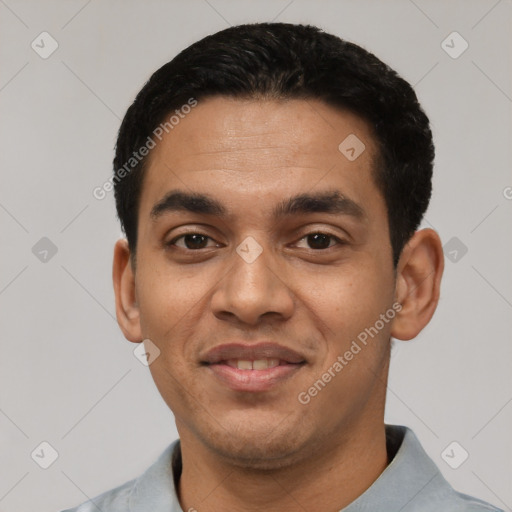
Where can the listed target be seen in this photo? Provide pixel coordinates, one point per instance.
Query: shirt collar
(409, 479)
(155, 489)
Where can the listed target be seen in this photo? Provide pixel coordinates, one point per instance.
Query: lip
(252, 381)
(261, 350)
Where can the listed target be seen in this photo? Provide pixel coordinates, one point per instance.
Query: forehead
(289, 127)
(267, 148)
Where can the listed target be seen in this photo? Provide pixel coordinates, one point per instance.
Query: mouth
(252, 368)
(258, 364)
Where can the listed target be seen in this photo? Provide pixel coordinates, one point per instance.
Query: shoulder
(153, 490)
(465, 503)
(438, 495)
(115, 500)
(417, 483)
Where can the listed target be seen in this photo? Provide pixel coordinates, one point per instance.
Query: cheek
(168, 299)
(347, 299)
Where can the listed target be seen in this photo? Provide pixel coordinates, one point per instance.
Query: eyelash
(173, 241)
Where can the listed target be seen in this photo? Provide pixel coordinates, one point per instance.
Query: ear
(123, 276)
(418, 284)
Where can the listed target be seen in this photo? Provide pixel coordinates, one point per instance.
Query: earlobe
(123, 277)
(419, 274)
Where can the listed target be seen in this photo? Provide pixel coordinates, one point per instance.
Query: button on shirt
(410, 483)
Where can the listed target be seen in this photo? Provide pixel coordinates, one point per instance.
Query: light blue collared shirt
(410, 483)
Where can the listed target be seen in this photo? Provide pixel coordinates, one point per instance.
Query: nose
(256, 285)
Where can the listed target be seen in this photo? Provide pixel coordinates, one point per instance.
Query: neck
(328, 480)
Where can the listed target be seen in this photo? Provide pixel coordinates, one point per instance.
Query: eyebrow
(330, 201)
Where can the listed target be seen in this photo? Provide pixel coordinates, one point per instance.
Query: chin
(256, 448)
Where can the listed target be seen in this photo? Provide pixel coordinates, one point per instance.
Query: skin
(268, 451)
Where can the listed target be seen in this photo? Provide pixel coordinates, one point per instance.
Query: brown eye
(319, 241)
(191, 241)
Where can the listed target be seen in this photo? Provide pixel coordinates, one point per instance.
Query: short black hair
(289, 61)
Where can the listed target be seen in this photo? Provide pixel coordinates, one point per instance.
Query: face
(250, 277)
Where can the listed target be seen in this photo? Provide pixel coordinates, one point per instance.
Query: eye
(318, 240)
(195, 241)
(191, 241)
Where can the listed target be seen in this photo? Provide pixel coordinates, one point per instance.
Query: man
(270, 181)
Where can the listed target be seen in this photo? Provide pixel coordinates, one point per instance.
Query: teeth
(258, 364)
(263, 364)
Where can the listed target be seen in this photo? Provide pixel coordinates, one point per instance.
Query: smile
(258, 364)
(252, 368)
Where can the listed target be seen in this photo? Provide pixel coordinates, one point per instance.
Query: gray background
(67, 375)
